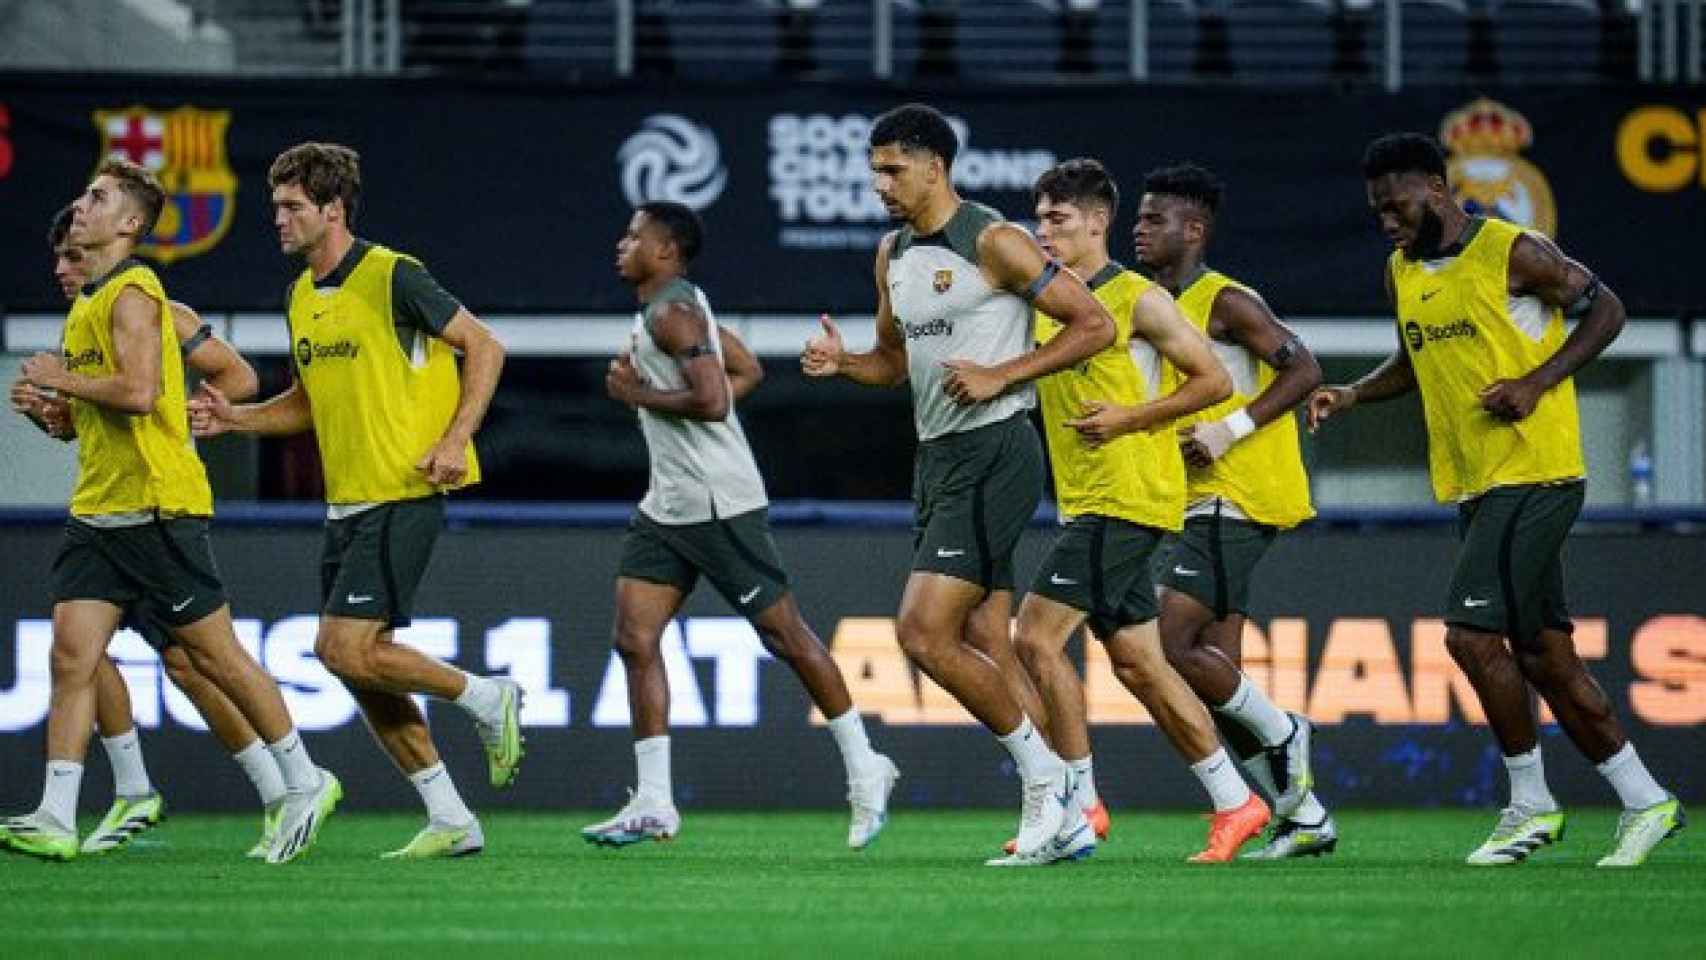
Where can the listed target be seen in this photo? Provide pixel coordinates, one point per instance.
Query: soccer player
(376, 380)
(705, 513)
(1245, 484)
(1120, 484)
(955, 287)
(1481, 305)
(137, 806)
(137, 537)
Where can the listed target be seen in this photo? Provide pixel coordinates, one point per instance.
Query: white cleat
(270, 816)
(1043, 811)
(1521, 830)
(128, 817)
(869, 797)
(303, 815)
(1076, 840)
(642, 818)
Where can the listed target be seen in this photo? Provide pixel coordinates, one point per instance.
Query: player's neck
(326, 256)
(648, 288)
(1176, 275)
(100, 261)
(936, 213)
(1090, 264)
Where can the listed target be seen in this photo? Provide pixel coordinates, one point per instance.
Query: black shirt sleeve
(418, 301)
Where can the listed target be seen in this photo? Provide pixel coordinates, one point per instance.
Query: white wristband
(1239, 423)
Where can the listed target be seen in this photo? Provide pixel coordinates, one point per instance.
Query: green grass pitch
(783, 884)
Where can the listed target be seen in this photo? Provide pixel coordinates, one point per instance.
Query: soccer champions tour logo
(1359, 673)
(674, 159)
(185, 148)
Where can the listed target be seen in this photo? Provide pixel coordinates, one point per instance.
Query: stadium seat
(1435, 39)
(1284, 41)
(1557, 39)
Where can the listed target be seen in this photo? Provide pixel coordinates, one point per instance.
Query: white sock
(262, 770)
(299, 773)
(1629, 777)
(1256, 713)
(849, 732)
(1528, 781)
(1083, 782)
(481, 697)
(1219, 776)
(1030, 754)
(130, 774)
(59, 792)
(1310, 812)
(651, 757)
(444, 805)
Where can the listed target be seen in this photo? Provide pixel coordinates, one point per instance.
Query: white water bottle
(1640, 475)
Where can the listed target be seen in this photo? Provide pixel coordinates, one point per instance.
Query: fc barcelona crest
(942, 281)
(185, 148)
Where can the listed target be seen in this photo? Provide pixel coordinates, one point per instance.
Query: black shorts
(1101, 565)
(737, 554)
(973, 494)
(1510, 569)
(1214, 560)
(372, 563)
(161, 573)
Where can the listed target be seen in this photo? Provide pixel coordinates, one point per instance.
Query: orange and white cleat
(1227, 831)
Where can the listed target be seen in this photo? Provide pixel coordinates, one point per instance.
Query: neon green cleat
(128, 817)
(270, 817)
(503, 738)
(437, 840)
(1521, 830)
(1639, 831)
(38, 835)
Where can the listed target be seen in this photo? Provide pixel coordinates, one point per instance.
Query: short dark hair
(1081, 181)
(1403, 153)
(324, 171)
(60, 230)
(678, 220)
(141, 186)
(917, 126)
(1187, 181)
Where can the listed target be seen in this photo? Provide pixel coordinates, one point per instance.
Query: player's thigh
(976, 493)
(82, 570)
(935, 607)
(373, 562)
(738, 556)
(1214, 560)
(1136, 648)
(1045, 625)
(1510, 553)
(81, 631)
(1124, 592)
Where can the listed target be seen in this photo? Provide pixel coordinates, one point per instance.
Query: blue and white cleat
(642, 818)
(869, 797)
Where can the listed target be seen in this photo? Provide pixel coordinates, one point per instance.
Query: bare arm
(1539, 269)
(1393, 378)
(134, 385)
(482, 364)
(681, 330)
(885, 364)
(213, 358)
(1245, 320)
(1155, 317)
(743, 368)
(212, 413)
(1014, 263)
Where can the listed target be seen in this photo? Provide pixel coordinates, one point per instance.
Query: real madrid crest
(1488, 175)
(943, 280)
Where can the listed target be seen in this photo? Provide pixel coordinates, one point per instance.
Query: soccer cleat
(642, 818)
(1075, 841)
(869, 798)
(1292, 839)
(1521, 830)
(1228, 830)
(301, 819)
(1639, 831)
(269, 829)
(127, 817)
(1044, 803)
(440, 840)
(502, 736)
(1096, 813)
(39, 835)
(1289, 763)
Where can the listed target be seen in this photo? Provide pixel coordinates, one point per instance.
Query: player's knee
(1469, 646)
(1032, 649)
(343, 656)
(68, 665)
(179, 669)
(634, 645)
(921, 646)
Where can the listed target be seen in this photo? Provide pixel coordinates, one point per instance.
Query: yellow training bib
(1463, 331)
(126, 462)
